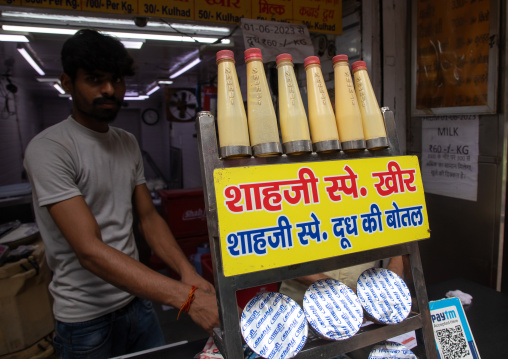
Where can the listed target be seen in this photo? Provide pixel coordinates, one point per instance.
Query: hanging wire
(191, 36)
(8, 112)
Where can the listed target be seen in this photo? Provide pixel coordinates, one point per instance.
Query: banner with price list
(275, 38)
(450, 155)
(278, 215)
(323, 16)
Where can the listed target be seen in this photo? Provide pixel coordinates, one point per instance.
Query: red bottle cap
(311, 60)
(358, 65)
(283, 57)
(225, 54)
(253, 53)
(338, 58)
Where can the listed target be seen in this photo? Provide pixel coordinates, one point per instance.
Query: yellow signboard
(321, 16)
(278, 215)
(273, 10)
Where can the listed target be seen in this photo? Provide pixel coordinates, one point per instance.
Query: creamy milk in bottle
(231, 117)
(347, 111)
(323, 128)
(373, 123)
(264, 134)
(294, 127)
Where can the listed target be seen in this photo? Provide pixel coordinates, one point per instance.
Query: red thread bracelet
(186, 306)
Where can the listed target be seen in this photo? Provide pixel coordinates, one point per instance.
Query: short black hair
(90, 50)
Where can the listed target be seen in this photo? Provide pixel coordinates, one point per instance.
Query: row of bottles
(356, 123)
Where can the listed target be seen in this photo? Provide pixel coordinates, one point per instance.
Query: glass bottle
(294, 127)
(263, 130)
(231, 117)
(373, 123)
(347, 111)
(323, 128)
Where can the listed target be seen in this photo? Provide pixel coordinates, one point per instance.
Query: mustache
(104, 100)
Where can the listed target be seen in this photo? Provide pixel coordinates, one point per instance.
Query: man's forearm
(130, 275)
(163, 243)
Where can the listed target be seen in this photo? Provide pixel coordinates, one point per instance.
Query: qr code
(453, 343)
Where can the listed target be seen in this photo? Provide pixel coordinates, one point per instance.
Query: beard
(106, 115)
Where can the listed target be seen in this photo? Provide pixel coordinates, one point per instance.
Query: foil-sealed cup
(332, 309)
(384, 295)
(391, 350)
(274, 326)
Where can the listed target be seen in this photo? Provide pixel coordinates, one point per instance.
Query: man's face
(96, 95)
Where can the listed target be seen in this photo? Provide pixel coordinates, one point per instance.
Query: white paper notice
(275, 38)
(450, 156)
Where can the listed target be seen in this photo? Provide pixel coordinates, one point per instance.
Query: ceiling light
(164, 82)
(127, 35)
(223, 30)
(66, 18)
(132, 44)
(13, 38)
(59, 88)
(152, 90)
(40, 30)
(102, 21)
(185, 68)
(48, 79)
(135, 98)
(151, 36)
(31, 61)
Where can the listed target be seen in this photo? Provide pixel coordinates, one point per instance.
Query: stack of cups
(384, 296)
(274, 326)
(332, 309)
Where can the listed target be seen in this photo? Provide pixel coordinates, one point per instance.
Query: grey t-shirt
(69, 160)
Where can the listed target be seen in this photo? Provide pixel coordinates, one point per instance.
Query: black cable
(178, 31)
(191, 36)
(228, 36)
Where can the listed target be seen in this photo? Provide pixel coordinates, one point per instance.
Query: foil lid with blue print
(384, 295)
(274, 326)
(332, 309)
(391, 350)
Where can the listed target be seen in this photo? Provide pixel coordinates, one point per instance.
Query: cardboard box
(25, 304)
(184, 211)
(42, 349)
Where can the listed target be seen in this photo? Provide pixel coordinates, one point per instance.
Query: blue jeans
(127, 330)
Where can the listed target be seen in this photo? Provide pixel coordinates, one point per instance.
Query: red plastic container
(184, 211)
(242, 296)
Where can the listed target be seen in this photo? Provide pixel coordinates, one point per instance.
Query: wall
(17, 127)
(36, 113)
(467, 236)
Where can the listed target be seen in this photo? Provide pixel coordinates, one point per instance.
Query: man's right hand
(204, 311)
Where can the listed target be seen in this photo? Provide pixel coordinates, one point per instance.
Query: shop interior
(175, 80)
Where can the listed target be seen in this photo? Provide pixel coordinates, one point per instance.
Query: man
(87, 179)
